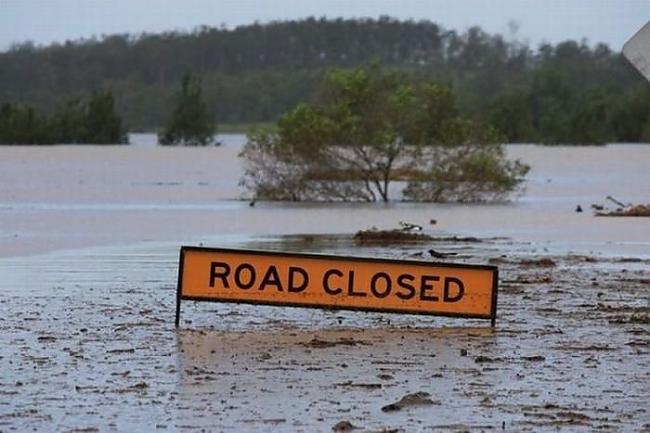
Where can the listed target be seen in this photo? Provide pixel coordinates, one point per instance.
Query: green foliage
(68, 123)
(190, 123)
(20, 124)
(101, 124)
(630, 117)
(511, 115)
(92, 122)
(256, 73)
(369, 128)
(468, 164)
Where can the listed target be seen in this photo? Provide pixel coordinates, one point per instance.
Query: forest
(571, 92)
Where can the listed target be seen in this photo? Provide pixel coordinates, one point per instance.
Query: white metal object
(637, 50)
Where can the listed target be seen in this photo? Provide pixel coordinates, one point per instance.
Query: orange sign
(351, 283)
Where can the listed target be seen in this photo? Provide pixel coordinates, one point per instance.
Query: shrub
(369, 128)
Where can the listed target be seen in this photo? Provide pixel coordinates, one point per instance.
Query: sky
(535, 21)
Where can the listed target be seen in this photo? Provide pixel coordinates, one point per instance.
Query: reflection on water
(151, 140)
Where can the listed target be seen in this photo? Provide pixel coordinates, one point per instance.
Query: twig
(612, 199)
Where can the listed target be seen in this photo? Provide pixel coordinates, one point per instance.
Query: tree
(190, 124)
(369, 128)
(510, 115)
(20, 124)
(93, 122)
(468, 164)
(68, 123)
(254, 73)
(101, 124)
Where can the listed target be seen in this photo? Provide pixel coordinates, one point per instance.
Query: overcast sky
(47, 21)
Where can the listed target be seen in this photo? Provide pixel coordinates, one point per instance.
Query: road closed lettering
(337, 282)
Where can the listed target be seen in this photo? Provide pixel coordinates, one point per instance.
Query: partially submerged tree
(68, 122)
(189, 124)
(369, 128)
(20, 124)
(79, 121)
(468, 164)
(101, 123)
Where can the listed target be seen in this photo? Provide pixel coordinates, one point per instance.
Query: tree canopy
(368, 128)
(190, 123)
(570, 92)
(91, 121)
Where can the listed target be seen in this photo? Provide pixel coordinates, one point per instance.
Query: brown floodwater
(89, 240)
(62, 197)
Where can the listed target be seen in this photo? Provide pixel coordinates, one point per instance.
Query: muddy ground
(89, 240)
(570, 352)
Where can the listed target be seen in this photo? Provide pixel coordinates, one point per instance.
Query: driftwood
(618, 203)
(639, 210)
(389, 236)
(623, 210)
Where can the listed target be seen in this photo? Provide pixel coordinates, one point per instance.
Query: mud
(89, 241)
(570, 352)
(389, 237)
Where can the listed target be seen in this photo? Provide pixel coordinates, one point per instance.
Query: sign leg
(178, 311)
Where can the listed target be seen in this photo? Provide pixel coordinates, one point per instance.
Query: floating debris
(416, 399)
(542, 263)
(344, 426)
(390, 236)
(639, 210)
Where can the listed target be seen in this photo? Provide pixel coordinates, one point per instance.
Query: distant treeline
(78, 121)
(565, 93)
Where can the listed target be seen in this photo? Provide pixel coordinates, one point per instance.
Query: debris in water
(410, 227)
(439, 255)
(623, 210)
(410, 400)
(318, 343)
(543, 262)
(344, 426)
(389, 236)
(140, 385)
(458, 239)
(483, 359)
(351, 384)
(639, 210)
(534, 358)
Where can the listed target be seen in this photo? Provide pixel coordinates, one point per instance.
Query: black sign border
(179, 289)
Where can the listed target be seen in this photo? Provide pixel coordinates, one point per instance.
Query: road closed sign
(334, 282)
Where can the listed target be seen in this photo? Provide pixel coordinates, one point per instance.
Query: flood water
(89, 240)
(62, 197)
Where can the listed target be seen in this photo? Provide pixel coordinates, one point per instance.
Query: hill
(569, 92)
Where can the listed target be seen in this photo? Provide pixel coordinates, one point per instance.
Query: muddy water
(62, 197)
(90, 240)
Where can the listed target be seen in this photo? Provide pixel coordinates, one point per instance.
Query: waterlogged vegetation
(370, 127)
(571, 92)
(190, 124)
(78, 121)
